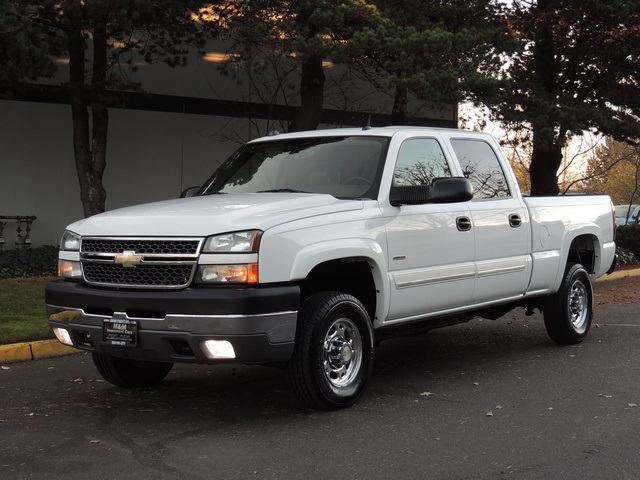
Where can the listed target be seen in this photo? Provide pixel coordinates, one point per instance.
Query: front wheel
(568, 313)
(333, 355)
(127, 373)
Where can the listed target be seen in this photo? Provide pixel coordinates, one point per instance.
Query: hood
(212, 214)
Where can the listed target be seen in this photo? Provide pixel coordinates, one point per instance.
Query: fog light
(219, 349)
(63, 336)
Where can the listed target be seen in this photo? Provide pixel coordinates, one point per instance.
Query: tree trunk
(399, 110)
(546, 159)
(100, 119)
(311, 95)
(90, 155)
(544, 166)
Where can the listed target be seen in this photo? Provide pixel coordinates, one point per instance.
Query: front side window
(420, 161)
(481, 165)
(345, 167)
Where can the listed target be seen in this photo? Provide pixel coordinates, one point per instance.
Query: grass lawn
(23, 316)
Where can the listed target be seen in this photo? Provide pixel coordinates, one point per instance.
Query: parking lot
(487, 399)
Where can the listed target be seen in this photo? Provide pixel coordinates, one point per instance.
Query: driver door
(431, 247)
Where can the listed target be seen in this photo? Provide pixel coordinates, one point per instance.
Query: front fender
(312, 255)
(368, 250)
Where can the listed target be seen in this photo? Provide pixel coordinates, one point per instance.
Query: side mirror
(190, 192)
(451, 190)
(441, 190)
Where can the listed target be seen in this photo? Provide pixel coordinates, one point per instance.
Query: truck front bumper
(178, 326)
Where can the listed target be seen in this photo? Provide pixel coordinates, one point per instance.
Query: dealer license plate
(118, 332)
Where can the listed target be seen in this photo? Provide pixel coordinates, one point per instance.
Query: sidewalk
(20, 352)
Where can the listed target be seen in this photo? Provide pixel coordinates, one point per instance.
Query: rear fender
(591, 233)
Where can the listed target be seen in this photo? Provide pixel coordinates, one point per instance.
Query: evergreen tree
(577, 69)
(438, 51)
(24, 53)
(305, 32)
(443, 52)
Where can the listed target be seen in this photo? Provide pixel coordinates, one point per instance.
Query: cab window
(481, 165)
(420, 161)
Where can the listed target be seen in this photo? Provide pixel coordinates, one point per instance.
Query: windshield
(345, 167)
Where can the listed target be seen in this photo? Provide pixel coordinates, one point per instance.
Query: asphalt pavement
(481, 400)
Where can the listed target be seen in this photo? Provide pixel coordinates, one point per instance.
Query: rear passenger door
(500, 224)
(431, 260)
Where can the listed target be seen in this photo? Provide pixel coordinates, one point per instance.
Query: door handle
(463, 224)
(514, 220)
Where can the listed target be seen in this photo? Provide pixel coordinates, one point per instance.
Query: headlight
(236, 242)
(240, 268)
(70, 241)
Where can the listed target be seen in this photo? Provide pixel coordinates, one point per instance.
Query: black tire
(333, 355)
(127, 373)
(568, 313)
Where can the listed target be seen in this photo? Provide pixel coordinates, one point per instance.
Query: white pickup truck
(306, 249)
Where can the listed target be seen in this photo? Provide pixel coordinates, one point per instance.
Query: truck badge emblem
(127, 259)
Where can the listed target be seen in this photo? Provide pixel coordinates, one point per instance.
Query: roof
(366, 131)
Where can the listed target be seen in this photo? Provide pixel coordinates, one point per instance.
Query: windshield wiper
(282, 190)
(215, 193)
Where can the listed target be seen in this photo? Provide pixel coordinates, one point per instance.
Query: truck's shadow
(192, 392)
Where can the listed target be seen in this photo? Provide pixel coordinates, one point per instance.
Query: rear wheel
(127, 373)
(333, 355)
(568, 313)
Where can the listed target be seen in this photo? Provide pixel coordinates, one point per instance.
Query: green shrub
(628, 241)
(625, 257)
(29, 262)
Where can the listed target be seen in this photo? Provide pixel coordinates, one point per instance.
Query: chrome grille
(141, 246)
(139, 262)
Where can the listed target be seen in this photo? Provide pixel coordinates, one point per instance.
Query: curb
(21, 352)
(620, 274)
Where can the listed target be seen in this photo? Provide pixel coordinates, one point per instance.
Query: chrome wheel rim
(342, 352)
(579, 306)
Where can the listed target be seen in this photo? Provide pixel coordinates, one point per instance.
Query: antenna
(368, 125)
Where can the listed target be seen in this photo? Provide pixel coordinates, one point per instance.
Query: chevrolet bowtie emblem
(127, 259)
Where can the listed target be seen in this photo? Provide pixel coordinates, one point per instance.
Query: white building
(159, 144)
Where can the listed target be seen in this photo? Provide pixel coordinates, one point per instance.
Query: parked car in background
(627, 214)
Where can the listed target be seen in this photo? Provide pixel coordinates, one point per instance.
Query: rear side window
(420, 161)
(481, 165)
